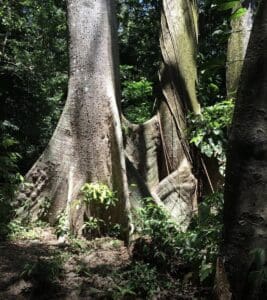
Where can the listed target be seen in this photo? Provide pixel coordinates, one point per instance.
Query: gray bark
(178, 77)
(237, 45)
(245, 211)
(179, 49)
(157, 150)
(87, 143)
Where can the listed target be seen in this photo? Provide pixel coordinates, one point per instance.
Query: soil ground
(43, 267)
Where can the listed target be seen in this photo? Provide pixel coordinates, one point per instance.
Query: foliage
(214, 32)
(44, 271)
(197, 247)
(140, 56)
(203, 238)
(104, 198)
(140, 279)
(9, 176)
(98, 192)
(33, 70)
(16, 229)
(139, 113)
(214, 24)
(45, 204)
(137, 100)
(139, 27)
(101, 195)
(208, 131)
(62, 228)
(134, 91)
(137, 95)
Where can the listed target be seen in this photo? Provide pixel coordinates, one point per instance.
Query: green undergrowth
(208, 131)
(163, 260)
(9, 173)
(192, 253)
(45, 270)
(31, 231)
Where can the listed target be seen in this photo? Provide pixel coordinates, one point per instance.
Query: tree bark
(178, 76)
(157, 150)
(237, 45)
(245, 210)
(87, 143)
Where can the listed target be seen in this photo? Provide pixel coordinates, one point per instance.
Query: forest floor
(34, 264)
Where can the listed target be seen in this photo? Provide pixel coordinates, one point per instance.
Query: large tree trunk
(237, 45)
(87, 143)
(178, 77)
(245, 211)
(157, 150)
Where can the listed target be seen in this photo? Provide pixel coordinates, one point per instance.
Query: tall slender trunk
(87, 143)
(245, 210)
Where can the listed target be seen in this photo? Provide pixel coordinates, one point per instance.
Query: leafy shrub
(9, 176)
(62, 227)
(208, 131)
(104, 198)
(33, 88)
(140, 279)
(196, 249)
(16, 229)
(138, 113)
(100, 193)
(136, 91)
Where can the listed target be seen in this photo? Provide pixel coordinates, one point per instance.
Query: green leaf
(228, 5)
(239, 13)
(205, 271)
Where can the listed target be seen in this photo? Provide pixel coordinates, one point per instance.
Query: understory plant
(44, 271)
(9, 175)
(208, 131)
(182, 252)
(104, 198)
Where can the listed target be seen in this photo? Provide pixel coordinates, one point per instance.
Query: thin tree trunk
(87, 143)
(245, 210)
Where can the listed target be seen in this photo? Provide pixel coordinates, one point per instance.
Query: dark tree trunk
(245, 210)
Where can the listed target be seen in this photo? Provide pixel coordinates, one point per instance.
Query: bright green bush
(208, 131)
(100, 193)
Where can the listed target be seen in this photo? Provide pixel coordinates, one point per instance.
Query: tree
(157, 150)
(241, 23)
(87, 143)
(244, 236)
